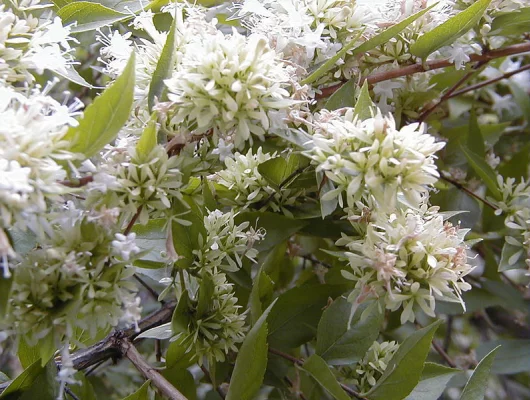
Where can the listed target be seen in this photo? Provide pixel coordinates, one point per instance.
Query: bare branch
(162, 384)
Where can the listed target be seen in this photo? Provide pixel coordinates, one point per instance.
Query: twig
(443, 354)
(151, 291)
(299, 362)
(297, 390)
(91, 370)
(162, 384)
(450, 91)
(448, 333)
(129, 227)
(70, 393)
(459, 186)
(209, 376)
(489, 82)
(78, 182)
(428, 66)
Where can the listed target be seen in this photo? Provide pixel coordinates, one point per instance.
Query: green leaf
(344, 97)
(148, 140)
(140, 394)
(512, 358)
(340, 342)
(512, 257)
(364, 107)
(205, 295)
(297, 137)
(327, 207)
(475, 141)
(477, 384)
(294, 320)
(163, 67)
(186, 238)
(251, 361)
(89, 16)
(517, 166)
(483, 170)
(25, 380)
(280, 172)
(5, 291)
(448, 32)
(103, 119)
(181, 319)
(370, 44)
(405, 368)
(45, 386)
(278, 227)
(320, 371)
(183, 380)
(261, 292)
(73, 76)
(513, 23)
(84, 390)
(43, 350)
(433, 381)
(178, 355)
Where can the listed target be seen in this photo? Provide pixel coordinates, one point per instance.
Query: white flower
(224, 150)
(409, 258)
(228, 84)
(457, 55)
(125, 246)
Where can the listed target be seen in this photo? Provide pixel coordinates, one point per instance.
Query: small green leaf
(512, 257)
(320, 371)
(25, 380)
(370, 44)
(280, 172)
(186, 237)
(178, 355)
(448, 32)
(44, 387)
(512, 23)
(365, 107)
(340, 342)
(163, 67)
(181, 319)
(261, 292)
(5, 291)
(483, 170)
(182, 379)
(405, 368)
(327, 206)
(433, 381)
(521, 99)
(89, 16)
(148, 140)
(294, 320)
(517, 166)
(344, 97)
(205, 295)
(140, 394)
(251, 361)
(297, 137)
(477, 384)
(103, 119)
(512, 358)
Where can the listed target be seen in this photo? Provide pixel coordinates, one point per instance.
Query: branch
(128, 350)
(110, 348)
(78, 182)
(489, 82)
(428, 66)
(459, 186)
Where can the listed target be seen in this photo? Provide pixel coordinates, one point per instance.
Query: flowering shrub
(264, 199)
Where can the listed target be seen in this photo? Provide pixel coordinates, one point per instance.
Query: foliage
(265, 199)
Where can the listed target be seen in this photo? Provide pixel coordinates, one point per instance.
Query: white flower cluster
(409, 258)
(242, 177)
(83, 280)
(228, 85)
(515, 205)
(226, 244)
(371, 158)
(28, 43)
(372, 367)
(133, 182)
(219, 327)
(33, 126)
(304, 32)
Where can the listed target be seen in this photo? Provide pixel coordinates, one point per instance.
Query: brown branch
(165, 388)
(490, 81)
(151, 291)
(300, 362)
(429, 66)
(443, 354)
(450, 91)
(129, 227)
(459, 186)
(78, 182)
